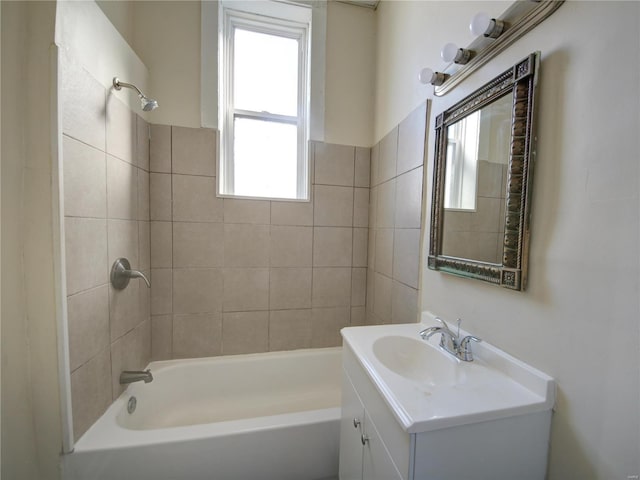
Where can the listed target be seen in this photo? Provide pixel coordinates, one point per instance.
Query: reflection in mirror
(482, 179)
(475, 183)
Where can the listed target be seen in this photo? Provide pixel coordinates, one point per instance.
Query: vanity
(412, 411)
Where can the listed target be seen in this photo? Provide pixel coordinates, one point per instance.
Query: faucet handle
(464, 350)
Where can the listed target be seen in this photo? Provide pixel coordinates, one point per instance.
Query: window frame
(297, 25)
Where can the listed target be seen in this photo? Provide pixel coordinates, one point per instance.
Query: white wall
(30, 407)
(579, 318)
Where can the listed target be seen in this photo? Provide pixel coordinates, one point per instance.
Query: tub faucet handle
(121, 273)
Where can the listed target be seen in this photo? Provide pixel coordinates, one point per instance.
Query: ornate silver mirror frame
(520, 81)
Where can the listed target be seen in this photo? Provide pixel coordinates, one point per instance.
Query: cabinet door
(376, 462)
(351, 430)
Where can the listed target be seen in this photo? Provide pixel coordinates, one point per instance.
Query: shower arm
(118, 84)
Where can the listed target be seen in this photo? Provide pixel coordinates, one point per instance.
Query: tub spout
(129, 376)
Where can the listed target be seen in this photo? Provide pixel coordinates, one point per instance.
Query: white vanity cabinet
(375, 446)
(362, 453)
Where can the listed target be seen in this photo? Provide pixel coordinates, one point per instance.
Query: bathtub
(268, 416)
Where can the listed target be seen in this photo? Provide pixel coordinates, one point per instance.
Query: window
(462, 163)
(264, 100)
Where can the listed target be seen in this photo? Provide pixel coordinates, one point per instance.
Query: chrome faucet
(450, 342)
(130, 376)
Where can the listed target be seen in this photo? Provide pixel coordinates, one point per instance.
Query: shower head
(147, 104)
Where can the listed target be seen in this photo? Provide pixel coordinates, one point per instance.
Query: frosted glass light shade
(480, 23)
(449, 52)
(426, 76)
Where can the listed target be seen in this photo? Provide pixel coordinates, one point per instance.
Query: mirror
(482, 180)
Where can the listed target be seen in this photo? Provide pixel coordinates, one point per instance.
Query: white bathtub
(269, 416)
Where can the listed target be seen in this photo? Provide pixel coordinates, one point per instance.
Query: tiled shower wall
(234, 276)
(395, 221)
(105, 152)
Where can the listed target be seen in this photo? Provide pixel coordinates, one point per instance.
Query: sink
(428, 389)
(416, 360)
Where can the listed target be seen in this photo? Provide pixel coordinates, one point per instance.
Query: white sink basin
(428, 389)
(416, 360)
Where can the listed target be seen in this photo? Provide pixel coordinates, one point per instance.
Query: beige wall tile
(406, 256)
(130, 352)
(331, 287)
(382, 297)
(326, 324)
(144, 299)
(490, 179)
(193, 151)
(360, 240)
(247, 211)
(289, 288)
(404, 304)
(289, 329)
(246, 245)
(384, 251)
(83, 104)
(411, 139)
(388, 156)
(292, 213)
(142, 143)
(198, 244)
(245, 332)
(143, 195)
(88, 321)
(90, 392)
(86, 253)
(386, 205)
(161, 337)
(486, 218)
(358, 316)
(375, 165)
(121, 130)
(291, 246)
(85, 180)
(246, 289)
(408, 205)
(371, 248)
(370, 289)
(160, 149)
(197, 335)
(123, 242)
(194, 199)
(197, 290)
(358, 286)
(373, 207)
(334, 164)
(122, 189)
(160, 196)
(161, 291)
(124, 309)
(332, 246)
(333, 206)
(363, 167)
(361, 207)
(144, 246)
(161, 244)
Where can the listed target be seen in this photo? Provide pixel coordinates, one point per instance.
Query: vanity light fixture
(483, 24)
(451, 53)
(428, 76)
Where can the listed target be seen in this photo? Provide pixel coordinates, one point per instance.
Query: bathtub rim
(107, 434)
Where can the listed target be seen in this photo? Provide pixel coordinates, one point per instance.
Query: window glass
(265, 73)
(266, 158)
